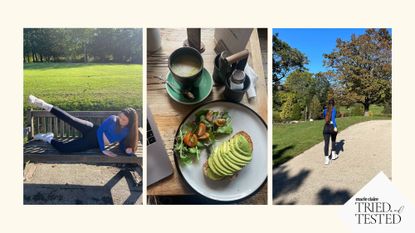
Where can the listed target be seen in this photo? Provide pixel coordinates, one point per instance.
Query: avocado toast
(230, 157)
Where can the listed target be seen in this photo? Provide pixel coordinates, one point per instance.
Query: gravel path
(365, 150)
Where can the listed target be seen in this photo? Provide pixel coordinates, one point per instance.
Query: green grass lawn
(290, 140)
(84, 87)
(374, 110)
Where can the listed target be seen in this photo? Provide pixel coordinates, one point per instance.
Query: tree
(362, 67)
(290, 109)
(315, 108)
(302, 85)
(81, 39)
(27, 44)
(121, 45)
(285, 59)
(321, 86)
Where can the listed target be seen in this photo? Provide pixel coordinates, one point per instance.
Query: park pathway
(365, 150)
(46, 183)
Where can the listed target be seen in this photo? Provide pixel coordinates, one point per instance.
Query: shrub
(341, 114)
(297, 112)
(276, 116)
(291, 110)
(357, 110)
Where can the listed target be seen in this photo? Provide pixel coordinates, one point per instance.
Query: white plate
(250, 178)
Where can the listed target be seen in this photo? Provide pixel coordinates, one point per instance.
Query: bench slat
(94, 114)
(37, 151)
(37, 125)
(49, 124)
(74, 158)
(55, 126)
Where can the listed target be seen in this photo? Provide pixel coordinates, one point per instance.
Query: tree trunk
(85, 54)
(366, 105)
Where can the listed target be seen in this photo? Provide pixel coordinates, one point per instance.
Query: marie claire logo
(370, 210)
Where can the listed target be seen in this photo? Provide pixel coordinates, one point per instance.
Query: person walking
(330, 131)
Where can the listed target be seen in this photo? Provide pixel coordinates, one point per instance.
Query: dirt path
(365, 150)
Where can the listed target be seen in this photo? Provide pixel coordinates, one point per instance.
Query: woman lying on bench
(122, 128)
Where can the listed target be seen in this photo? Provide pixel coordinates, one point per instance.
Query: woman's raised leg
(82, 125)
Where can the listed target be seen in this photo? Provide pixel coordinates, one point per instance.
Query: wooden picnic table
(168, 114)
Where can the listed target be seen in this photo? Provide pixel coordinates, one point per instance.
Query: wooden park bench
(43, 121)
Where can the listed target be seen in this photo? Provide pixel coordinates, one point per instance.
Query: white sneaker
(326, 160)
(35, 101)
(334, 156)
(39, 103)
(46, 137)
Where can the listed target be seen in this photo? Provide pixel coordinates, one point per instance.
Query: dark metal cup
(236, 95)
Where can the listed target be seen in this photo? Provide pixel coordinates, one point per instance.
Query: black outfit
(328, 132)
(88, 129)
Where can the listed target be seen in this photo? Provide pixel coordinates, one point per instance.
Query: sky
(316, 42)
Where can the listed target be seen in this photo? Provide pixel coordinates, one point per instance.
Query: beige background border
(317, 13)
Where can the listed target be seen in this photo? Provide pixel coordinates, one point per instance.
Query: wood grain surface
(168, 114)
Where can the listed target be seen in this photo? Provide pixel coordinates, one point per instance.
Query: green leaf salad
(201, 133)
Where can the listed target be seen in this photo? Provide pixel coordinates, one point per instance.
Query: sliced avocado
(237, 153)
(220, 154)
(224, 150)
(231, 157)
(242, 145)
(218, 166)
(211, 175)
(234, 147)
(235, 166)
(212, 168)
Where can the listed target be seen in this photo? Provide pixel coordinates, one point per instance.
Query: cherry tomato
(190, 139)
(220, 122)
(204, 136)
(209, 116)
(201, 130)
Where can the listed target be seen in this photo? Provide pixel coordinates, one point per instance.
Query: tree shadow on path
(284, 184)
(82, 194)
(278, 157)
(327, 196)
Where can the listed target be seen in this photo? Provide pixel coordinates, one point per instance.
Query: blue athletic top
(333, 115)
(109, 127)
